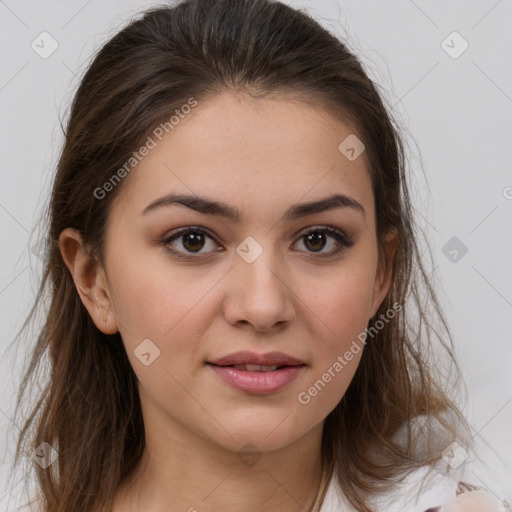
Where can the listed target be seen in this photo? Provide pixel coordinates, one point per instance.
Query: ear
(90, 280)
(384, 274)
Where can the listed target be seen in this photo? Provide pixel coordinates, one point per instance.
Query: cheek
(153, 299)
(162, 304)
(342, 303)
(343, 307)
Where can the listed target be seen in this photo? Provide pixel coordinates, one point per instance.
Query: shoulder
(421, 491)
(470, 498)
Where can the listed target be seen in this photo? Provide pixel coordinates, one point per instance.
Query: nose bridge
(259, 294)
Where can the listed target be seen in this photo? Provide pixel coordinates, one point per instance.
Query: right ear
(90, 280)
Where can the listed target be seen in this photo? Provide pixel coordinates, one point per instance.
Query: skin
(261, 156)
(474, 501)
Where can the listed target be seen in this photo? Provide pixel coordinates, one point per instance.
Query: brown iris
(193, 241)
(316, 239)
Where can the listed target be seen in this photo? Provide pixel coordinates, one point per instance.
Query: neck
(180, 471)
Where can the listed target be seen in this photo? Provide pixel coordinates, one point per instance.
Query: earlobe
(89, 278)
(384, 274)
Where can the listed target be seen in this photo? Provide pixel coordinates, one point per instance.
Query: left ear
(384, 273)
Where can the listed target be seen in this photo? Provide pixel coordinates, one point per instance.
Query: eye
(315, 240)
(191, 240)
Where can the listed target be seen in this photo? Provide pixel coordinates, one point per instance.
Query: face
(264, 273)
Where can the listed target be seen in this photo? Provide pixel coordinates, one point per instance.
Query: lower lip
(257, 383)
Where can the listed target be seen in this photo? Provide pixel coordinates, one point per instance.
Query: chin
(260, 434)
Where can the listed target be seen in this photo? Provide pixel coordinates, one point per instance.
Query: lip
(247, 357)
(258, 383)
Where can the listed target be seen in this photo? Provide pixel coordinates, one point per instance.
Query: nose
(259, 294)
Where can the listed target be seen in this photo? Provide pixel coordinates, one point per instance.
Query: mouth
(257, 361)
(257, 374)
(255, 367)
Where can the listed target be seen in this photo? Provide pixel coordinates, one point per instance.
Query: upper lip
(268, 359)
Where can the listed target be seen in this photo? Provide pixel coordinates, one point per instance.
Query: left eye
(316, 240)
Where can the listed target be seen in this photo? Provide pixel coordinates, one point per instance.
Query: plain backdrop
(444, 67)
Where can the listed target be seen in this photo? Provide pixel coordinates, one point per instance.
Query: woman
(238, 315)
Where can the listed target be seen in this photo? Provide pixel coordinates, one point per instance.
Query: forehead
(253, 153)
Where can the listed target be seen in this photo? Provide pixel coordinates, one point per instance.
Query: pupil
(193, 239)
(316, 238)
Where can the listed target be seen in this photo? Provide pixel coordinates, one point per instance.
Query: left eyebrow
(210, 207)
(329, 203)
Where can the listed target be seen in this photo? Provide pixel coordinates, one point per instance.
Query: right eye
(189, 241)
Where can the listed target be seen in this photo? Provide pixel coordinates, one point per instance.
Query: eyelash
(343, 241)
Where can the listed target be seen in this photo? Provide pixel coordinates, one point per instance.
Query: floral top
(440, 494)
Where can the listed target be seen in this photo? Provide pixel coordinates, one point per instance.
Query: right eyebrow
(199, 204)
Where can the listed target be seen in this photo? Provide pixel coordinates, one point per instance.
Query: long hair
(88, 409)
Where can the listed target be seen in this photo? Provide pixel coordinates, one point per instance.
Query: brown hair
(89, 409)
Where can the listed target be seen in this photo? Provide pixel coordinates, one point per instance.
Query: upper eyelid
(186, 229)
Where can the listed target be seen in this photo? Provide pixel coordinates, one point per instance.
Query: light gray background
(459, 111)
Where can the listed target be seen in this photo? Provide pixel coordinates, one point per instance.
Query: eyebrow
(210, 207)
